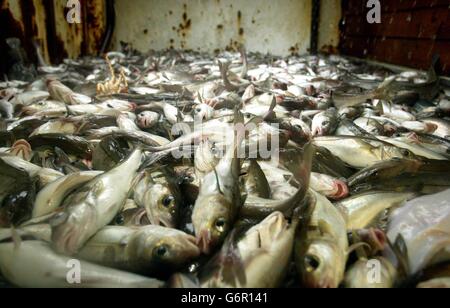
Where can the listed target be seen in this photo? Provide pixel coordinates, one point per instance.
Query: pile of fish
(182, 169)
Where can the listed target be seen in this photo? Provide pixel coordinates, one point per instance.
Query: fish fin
(323, 227)
(381, 220)
(401, 251)
(435, 68)
(243, 53)
(299, 162)
(386, 83)
(179, 114)
(303, 213)
(273, 104)
(69, 112)
(359, 249)
(244, 197)
(136, 180)
(16, 238)
(218, 182)
(228, 263)
(224, 66)
(153, 157)
(233, 269)
(200, 98)
(355, 128)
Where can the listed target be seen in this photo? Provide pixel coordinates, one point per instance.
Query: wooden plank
(444, 30)
(423, 24)
(359, 8)
(411, 53)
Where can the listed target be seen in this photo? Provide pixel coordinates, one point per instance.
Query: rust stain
(233, 45)
(44, 21)
(329, 49)
(94, 25)
(240, 27)
(294, 50)
(14, 29)
(184, 27)
(57, 49)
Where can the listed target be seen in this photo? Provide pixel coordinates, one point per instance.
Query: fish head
(322, 266)
(21, 148)
(395, 152)
(212, 219)
(173, 249)
(72, 228)
(207, 156)
(268, 233)
(119, 105)
(321, 125)
(375, 238)
(147, 119)
(162, 204)
(340, 190)
(40, 106)
(203, 112)
(301, 129)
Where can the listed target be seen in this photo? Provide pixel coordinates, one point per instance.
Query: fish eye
(312, 263)
(405, 153)
(41, 103)
(325, 123)
(119, 220)
(220, 224)
(198, 110)
(161, 251)
(214, 150)
(167, 200)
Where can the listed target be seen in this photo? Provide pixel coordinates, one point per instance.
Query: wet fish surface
(238, 170)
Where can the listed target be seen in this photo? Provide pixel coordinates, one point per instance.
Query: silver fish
(94, 206)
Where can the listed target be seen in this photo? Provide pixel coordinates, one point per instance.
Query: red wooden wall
(410, 32)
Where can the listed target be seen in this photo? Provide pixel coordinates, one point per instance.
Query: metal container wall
(45, 21)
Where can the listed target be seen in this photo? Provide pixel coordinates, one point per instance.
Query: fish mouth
(26, 111)
(133, 106)
(22, 148)
(379, 238)
(431, 128)
(318, 131)
(144, 122)
(341, 190)
(191, 247)
(204, 242)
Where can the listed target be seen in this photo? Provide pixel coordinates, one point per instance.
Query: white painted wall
(274, 26)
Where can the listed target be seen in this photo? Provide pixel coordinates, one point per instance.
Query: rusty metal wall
(45, 20)
(279, 27)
